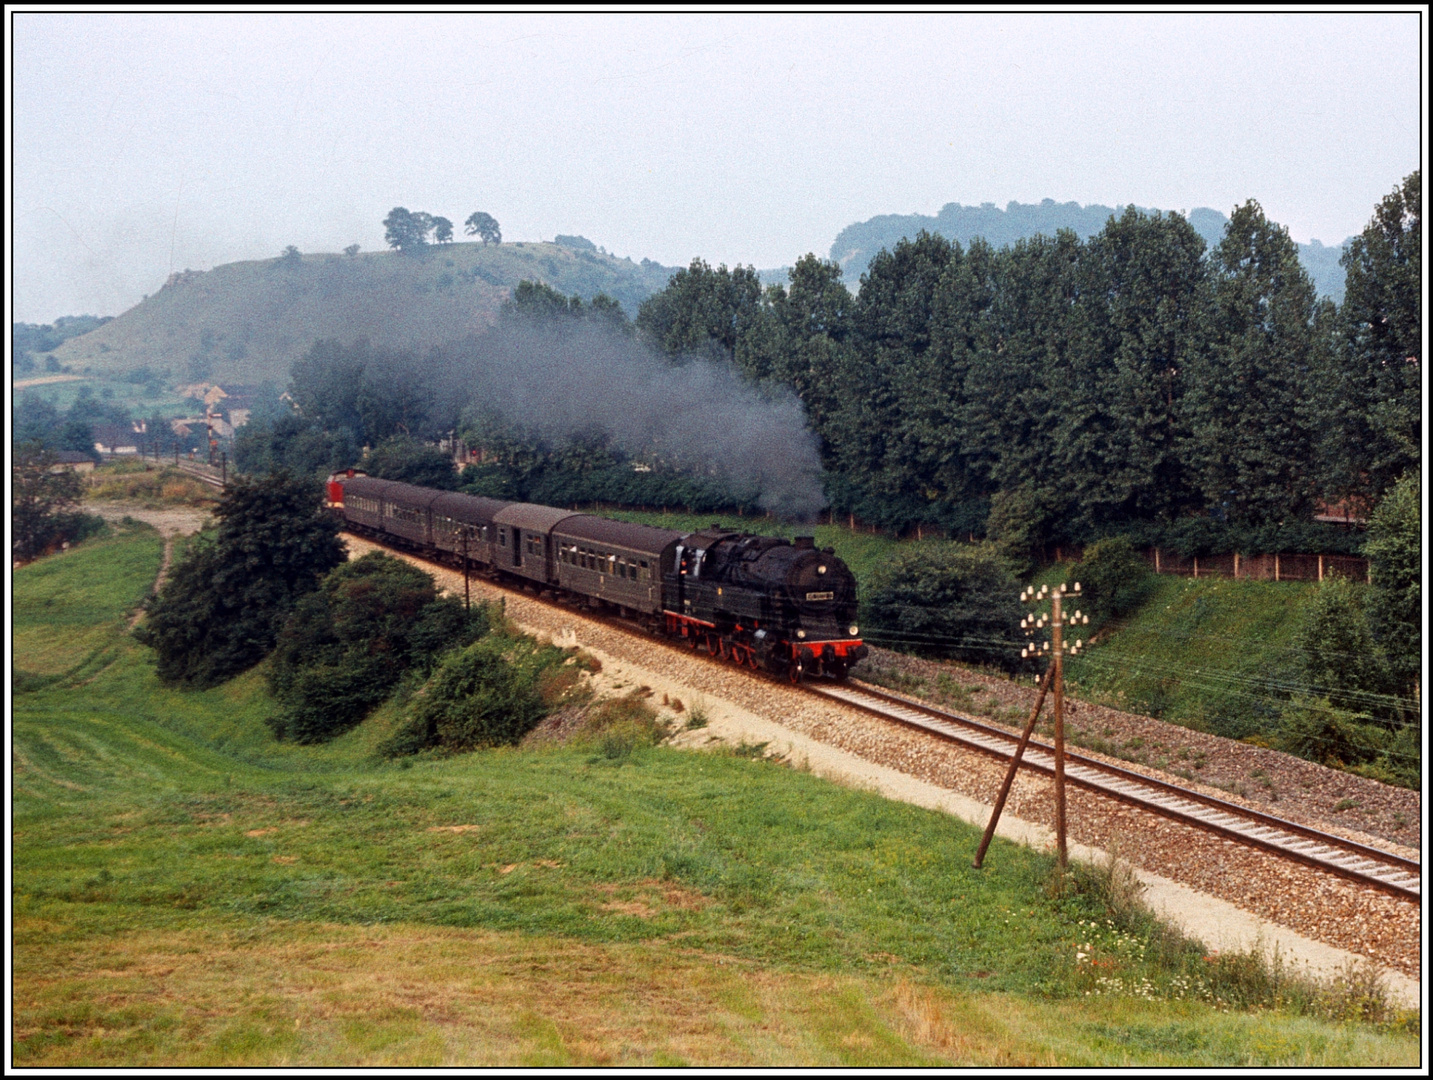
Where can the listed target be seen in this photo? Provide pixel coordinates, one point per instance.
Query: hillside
(248, 321)
(857, 244)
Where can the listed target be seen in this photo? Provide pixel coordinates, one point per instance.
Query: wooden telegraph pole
(1054, 677)
(1057, 646)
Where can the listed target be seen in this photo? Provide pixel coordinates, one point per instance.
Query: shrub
(1340, 659)
(228, 597)
(1316, 730)
(405, 459)
(346, 646)
(484, 695)
(1114, 577)
(1020, 522)
(43, 504)
(958, 601)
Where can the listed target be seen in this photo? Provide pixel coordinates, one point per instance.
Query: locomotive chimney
(804, 543)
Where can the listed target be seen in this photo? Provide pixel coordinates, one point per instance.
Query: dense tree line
(31, 341)
(1061, 390)
(1056, 390)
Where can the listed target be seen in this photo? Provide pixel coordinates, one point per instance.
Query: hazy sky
(149, 142)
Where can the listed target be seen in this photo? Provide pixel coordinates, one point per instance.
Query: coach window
(644, 574)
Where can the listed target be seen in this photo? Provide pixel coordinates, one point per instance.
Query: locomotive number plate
(820, 596)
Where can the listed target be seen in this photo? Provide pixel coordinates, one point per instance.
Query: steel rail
(213, 481)
(1253, 828)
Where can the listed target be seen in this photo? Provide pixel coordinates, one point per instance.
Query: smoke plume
(698, 415)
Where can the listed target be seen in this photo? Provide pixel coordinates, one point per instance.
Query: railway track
(206, 473)
(1358, 862)
(1243, 825)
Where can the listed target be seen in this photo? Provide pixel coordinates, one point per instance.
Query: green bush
(1114, 577)
(347, 645)
(1020, 523)
(1341, 661)
(1314, 729)
(488, 694)
(228, 597)
(405, 459)
(957, 601)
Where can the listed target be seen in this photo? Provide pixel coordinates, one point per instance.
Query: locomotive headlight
(820, 569)
(855, 630)
(801, 633)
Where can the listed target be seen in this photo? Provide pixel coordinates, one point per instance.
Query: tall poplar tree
(1251, 442)
(1376, 425)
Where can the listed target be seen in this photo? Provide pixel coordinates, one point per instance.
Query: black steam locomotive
(775, 605)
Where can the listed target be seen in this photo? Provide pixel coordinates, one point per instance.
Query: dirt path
(170, 521)
(46, 380)
(159, 579)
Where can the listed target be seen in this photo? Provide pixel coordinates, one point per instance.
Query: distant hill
(856, 244)
(246, 322)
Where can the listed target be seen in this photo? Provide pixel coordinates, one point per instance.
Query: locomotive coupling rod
(1014, 764)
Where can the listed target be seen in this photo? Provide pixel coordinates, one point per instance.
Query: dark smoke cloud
(697, 415)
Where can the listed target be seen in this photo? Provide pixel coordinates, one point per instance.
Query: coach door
(516, 546)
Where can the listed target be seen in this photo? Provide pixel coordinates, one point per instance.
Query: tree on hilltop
(407, 231)
(442, 230)
(484, 227)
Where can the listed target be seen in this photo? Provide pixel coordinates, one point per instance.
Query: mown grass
(188, 892)
(69, 606)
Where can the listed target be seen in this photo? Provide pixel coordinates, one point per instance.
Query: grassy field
(136, 399)
(148, 485)
(188, 892)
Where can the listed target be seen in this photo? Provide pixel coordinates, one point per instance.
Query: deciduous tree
(226, 599)
(407, 230)
(485, 227)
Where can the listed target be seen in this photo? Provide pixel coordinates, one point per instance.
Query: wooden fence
(1277, 567)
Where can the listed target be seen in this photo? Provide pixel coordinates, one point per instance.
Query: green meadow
(187, 892)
